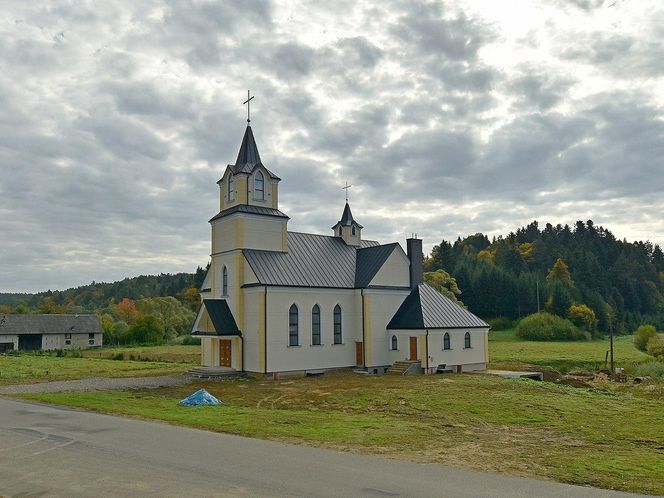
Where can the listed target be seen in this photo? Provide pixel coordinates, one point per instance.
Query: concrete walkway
(58, 452)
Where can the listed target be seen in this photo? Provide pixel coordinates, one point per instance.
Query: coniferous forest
(621, 282)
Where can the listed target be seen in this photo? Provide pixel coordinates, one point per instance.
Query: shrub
(547, 327)
(191, 341)
(500, 323)
(652, 368)
(118, 356)
(583, 317)
(655, 347)
(642, 335)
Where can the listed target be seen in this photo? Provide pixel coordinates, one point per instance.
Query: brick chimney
(414, 252)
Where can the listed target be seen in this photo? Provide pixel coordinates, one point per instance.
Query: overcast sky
(448, 118)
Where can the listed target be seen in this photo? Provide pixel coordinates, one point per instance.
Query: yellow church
(278, 302)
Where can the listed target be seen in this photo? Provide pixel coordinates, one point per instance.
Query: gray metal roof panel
(426, 308)
(221, 316)
(311, 261)
(50, 324)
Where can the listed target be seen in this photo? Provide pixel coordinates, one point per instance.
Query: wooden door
(358, 354)
(413, 348)
(225, 353)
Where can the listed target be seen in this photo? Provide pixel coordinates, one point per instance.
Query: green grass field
(170, 353)
(610, 436)
(508, 351)
(29, 368)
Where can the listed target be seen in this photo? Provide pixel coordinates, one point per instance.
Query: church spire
(347, 228)
(248, 156)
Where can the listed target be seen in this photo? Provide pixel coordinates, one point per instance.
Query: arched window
(395, 343)
(224, 282)
(259, 187)
(466, 340)
(293, 332)
(353, 230)
(337, 324)
(315, 325)
(231, 188)
(339, 231)
(446, 341)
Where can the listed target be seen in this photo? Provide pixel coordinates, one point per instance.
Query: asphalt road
(50, 451)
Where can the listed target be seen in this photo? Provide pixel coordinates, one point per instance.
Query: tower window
(353, 230)
(231, 188)
(395, 343)
(337, 324)
(224, 282)
(315, 325)
(446, 341)
(293, 330)
(339, 231)
(466, 340)
(259, 187)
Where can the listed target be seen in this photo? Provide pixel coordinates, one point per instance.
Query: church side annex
(279, 302)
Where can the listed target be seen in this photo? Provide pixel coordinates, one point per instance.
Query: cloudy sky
(448, 118)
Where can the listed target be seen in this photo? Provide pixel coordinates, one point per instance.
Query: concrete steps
(405, 367)
(215, 373)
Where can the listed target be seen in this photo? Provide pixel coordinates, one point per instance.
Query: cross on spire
(346, 189)
(248, 102)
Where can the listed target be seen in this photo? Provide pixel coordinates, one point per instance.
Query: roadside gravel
(96, 384)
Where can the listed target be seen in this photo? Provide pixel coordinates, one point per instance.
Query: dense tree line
(96, 296)
(622, 283)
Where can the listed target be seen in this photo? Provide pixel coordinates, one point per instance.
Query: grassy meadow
(506, 350)
(608, 436)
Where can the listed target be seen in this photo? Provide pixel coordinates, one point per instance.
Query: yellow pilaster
(486, 348)
(239, 233)
(241, 185)
(284, 238)
(239, 297)
(368, 343)
(275, 194)
(261, 332)
(422, 350)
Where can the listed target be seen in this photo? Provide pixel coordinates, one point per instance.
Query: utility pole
(613, 371)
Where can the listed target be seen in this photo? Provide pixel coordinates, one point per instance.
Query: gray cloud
(116, 122)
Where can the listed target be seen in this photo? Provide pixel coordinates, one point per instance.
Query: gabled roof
(248, 158)
(50, 324)
(347, 218)
(369, 261)
(318, 261)
(426, 308)
(247, 208)
(221, 317)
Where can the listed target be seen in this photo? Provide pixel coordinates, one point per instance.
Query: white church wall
(246, 231)
(251, 334)
(380, 307)
(305, 356)
(395, 271)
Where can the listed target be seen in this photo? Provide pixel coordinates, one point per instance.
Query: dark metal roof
(247, 208)
(311, 261)
(49, 324)
(248, 157)
(221, 316)
(369, 261)
(426, 308)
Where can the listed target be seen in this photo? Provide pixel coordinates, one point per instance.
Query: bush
(583, 317)
(191, 341)
(547, 327)
(500, 323)
(146, 330)
(655, 347)
(118, 356)
(642, 335)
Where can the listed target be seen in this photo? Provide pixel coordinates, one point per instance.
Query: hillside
(622, 282)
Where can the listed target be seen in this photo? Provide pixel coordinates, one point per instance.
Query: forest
(554, 269)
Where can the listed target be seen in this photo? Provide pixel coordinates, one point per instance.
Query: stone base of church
(379, 370)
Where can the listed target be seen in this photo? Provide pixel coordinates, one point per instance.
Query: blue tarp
(200, 397)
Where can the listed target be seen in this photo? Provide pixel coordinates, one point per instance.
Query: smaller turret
(348, 229)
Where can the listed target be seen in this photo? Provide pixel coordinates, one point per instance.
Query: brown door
(413, 348)
(358, 354)
(225, 353)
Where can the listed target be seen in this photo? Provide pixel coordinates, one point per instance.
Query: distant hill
(622, 282)
(96, 296)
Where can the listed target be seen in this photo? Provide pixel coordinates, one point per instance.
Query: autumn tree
(559, 273)
(443, 283)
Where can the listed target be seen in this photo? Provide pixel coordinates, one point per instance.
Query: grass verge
(609, 436)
